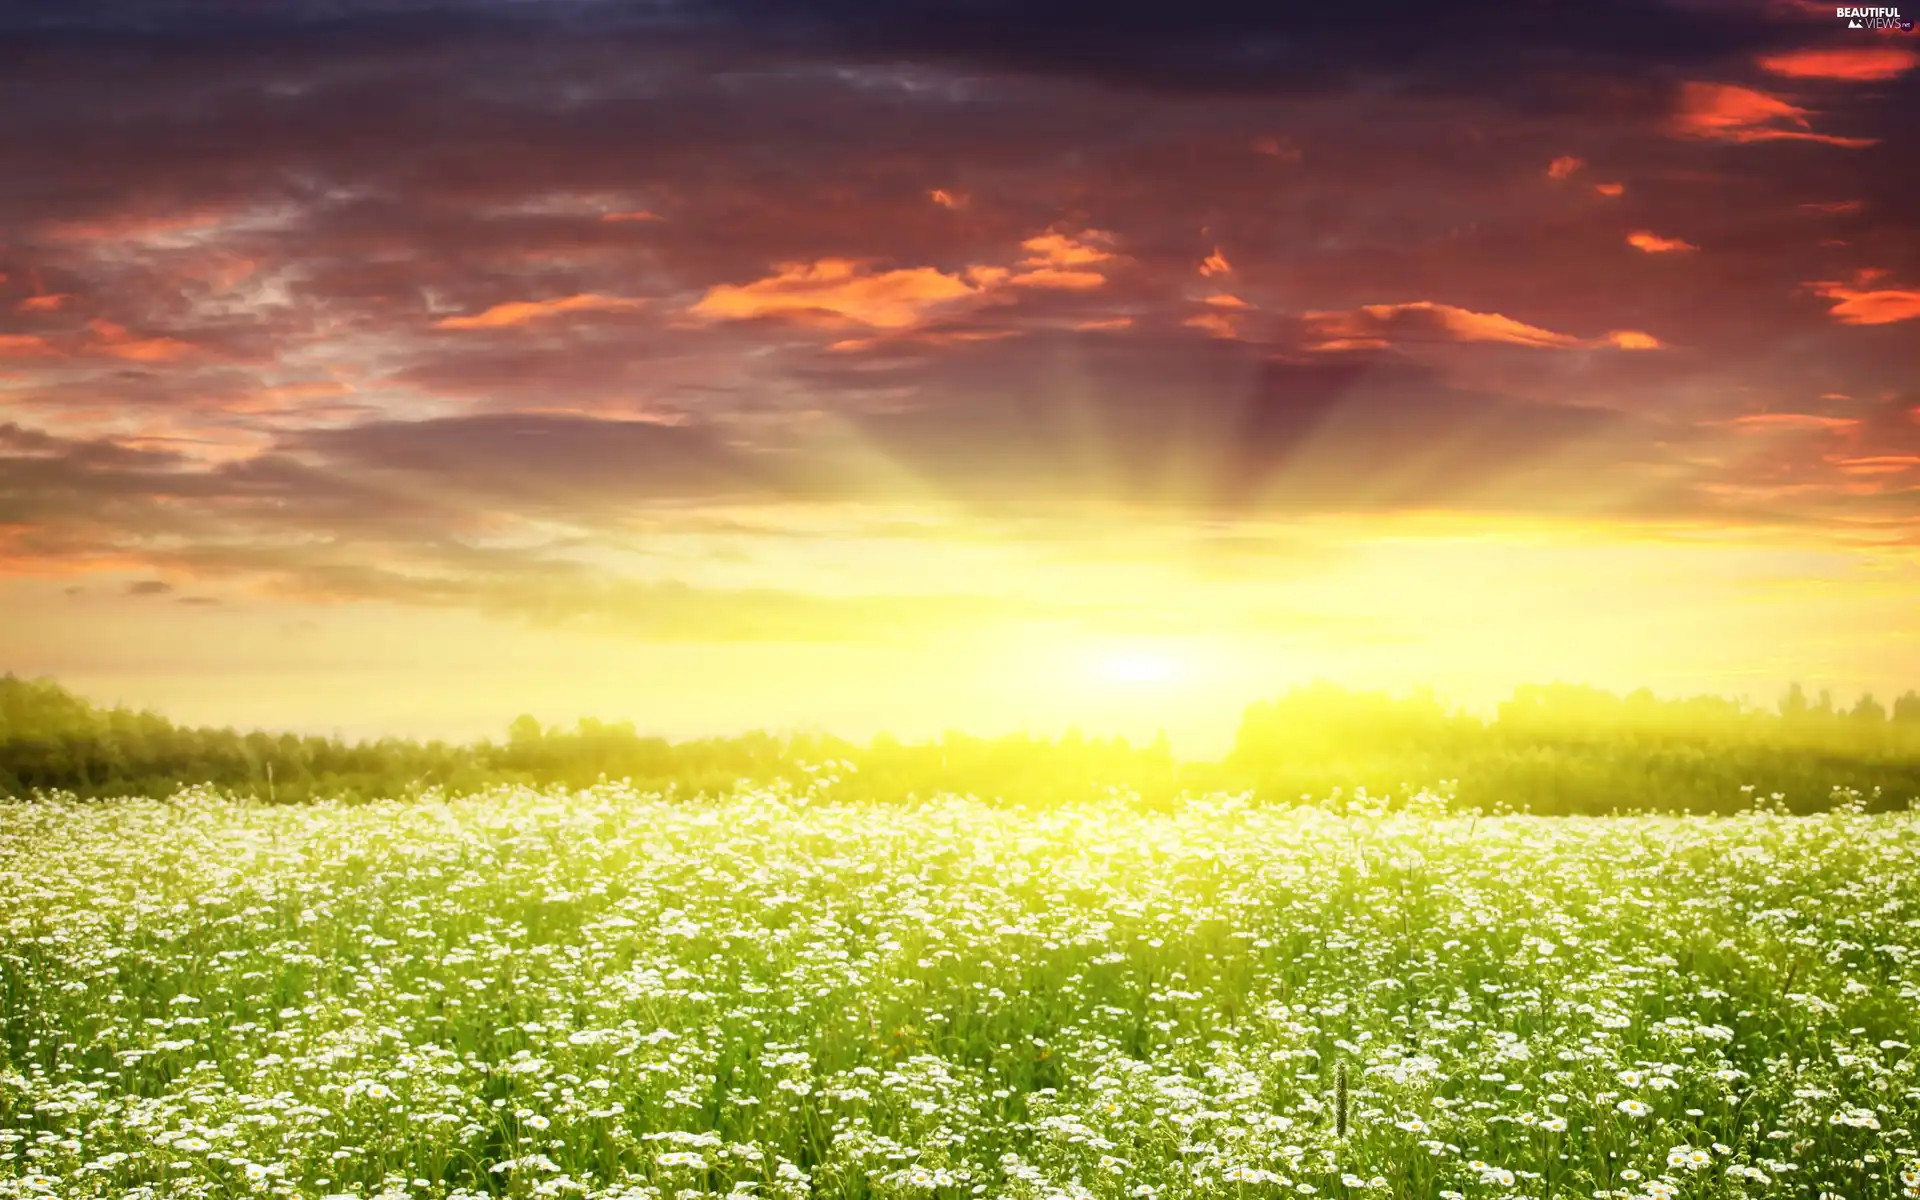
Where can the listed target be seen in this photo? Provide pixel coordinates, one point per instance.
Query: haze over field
(402, 367)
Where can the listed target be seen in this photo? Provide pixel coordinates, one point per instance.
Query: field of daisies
(615, 995)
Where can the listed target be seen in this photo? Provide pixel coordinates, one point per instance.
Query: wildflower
(681, 1158)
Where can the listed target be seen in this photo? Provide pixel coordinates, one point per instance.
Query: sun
(1138, 666)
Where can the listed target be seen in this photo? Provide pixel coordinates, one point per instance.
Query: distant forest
(1550, 749)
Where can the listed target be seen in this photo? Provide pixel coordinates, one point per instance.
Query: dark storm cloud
(527, 458)
(1247, 46)
(1234, 45)
(85, 497)
(28, 447)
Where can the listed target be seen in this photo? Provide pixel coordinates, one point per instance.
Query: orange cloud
(942, 338)
(1370, 325)
(520, 312)
(1564, 166)
(1106, 324)
(1215, 324)
(1226, 300)
(1879, 307)
(1834, 206)
(24, 345)
(637, 215)
(43, 303)
(1881, 464)
(1374, 326)
(131, 228)
(67, 566)
(1652, 243)
(290, 395)
(1860, 64)
(1057, 261)
(1766, 422)
(947, 199)
(149, 350)
(1610, 189)
(1048, 277)
(836, 291)
(116, 341)
(1215, 263)
(1060, 250)
(1729, 113)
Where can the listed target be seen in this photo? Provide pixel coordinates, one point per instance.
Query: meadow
(781, 994)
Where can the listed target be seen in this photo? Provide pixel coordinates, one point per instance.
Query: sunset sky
(395, 366)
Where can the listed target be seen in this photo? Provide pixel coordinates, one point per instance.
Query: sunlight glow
(1138, 666)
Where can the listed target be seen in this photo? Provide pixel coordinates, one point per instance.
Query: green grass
(615, 995)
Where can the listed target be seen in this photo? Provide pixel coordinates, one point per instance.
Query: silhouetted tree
(1552, 748)
(1906, 710)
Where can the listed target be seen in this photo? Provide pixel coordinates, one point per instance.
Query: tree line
(1548, 749)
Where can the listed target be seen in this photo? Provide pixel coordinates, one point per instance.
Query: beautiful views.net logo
(1874, 18)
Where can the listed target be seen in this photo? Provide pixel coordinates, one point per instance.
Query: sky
(392, 366)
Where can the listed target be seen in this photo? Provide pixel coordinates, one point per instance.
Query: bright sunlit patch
(1138, 666)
